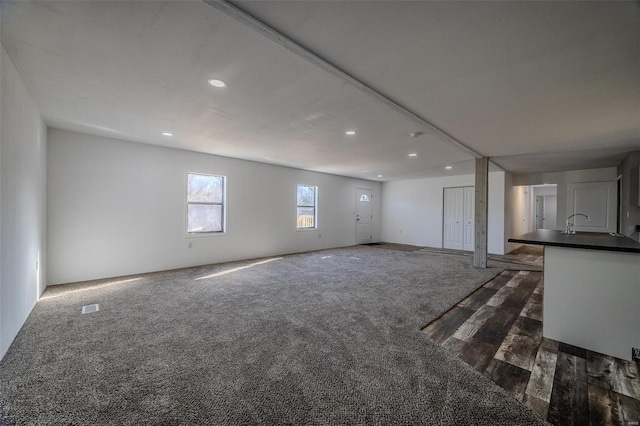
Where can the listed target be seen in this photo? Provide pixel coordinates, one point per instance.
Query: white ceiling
(536, 86)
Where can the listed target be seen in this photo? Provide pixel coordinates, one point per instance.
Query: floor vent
(87, 309)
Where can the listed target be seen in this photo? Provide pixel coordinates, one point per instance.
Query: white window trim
(315, 209)
(225, 218)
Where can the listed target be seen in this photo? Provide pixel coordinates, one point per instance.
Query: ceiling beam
(274, 35)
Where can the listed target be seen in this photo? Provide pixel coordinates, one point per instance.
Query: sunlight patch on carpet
(94, 287)
(239, 268)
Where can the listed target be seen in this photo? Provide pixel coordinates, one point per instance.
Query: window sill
(206, 234)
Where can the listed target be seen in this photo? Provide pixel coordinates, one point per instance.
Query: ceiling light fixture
(413, 154)
(379, 175)
(167, 134)
(350, 132)
(217, 83)
(416, 134)
(448, 167)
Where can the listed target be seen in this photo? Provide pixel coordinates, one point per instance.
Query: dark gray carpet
(330, 337)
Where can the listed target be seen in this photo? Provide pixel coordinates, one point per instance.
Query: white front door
(364, 230)
(453, 218)
(469, 215)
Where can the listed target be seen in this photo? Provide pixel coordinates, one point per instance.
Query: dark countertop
(581, 240)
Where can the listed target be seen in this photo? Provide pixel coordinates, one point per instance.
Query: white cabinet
(598, 200)
(591, 299)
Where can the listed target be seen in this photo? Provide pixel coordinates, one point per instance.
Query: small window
(205, 203)
(365, 198)
(307, 204)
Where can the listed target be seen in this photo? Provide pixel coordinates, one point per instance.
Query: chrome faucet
(568, 225)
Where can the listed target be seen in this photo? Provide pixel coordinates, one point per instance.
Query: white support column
(481, 212)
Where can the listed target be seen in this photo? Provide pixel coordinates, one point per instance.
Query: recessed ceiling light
(217, 83)
(448, 167)
(413, 154)
(167, 134)
(350, 132)
(379, 175)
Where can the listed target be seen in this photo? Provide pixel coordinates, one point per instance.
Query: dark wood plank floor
(498, 331)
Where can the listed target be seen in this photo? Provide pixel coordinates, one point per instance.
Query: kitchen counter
(591, 290)
(582, 240)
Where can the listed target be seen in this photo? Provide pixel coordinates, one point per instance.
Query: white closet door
(453, 218)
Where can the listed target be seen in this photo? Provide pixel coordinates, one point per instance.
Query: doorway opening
(545, 206)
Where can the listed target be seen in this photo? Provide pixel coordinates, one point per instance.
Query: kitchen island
(591, 290)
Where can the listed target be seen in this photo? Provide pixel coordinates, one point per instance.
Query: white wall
(496, 234)
(607, 174)
(22, 203)
(519, 210)
(523, 191)
(118, 208)
(585, 175)
(512, 219)
(2, 342)
(412, 210)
